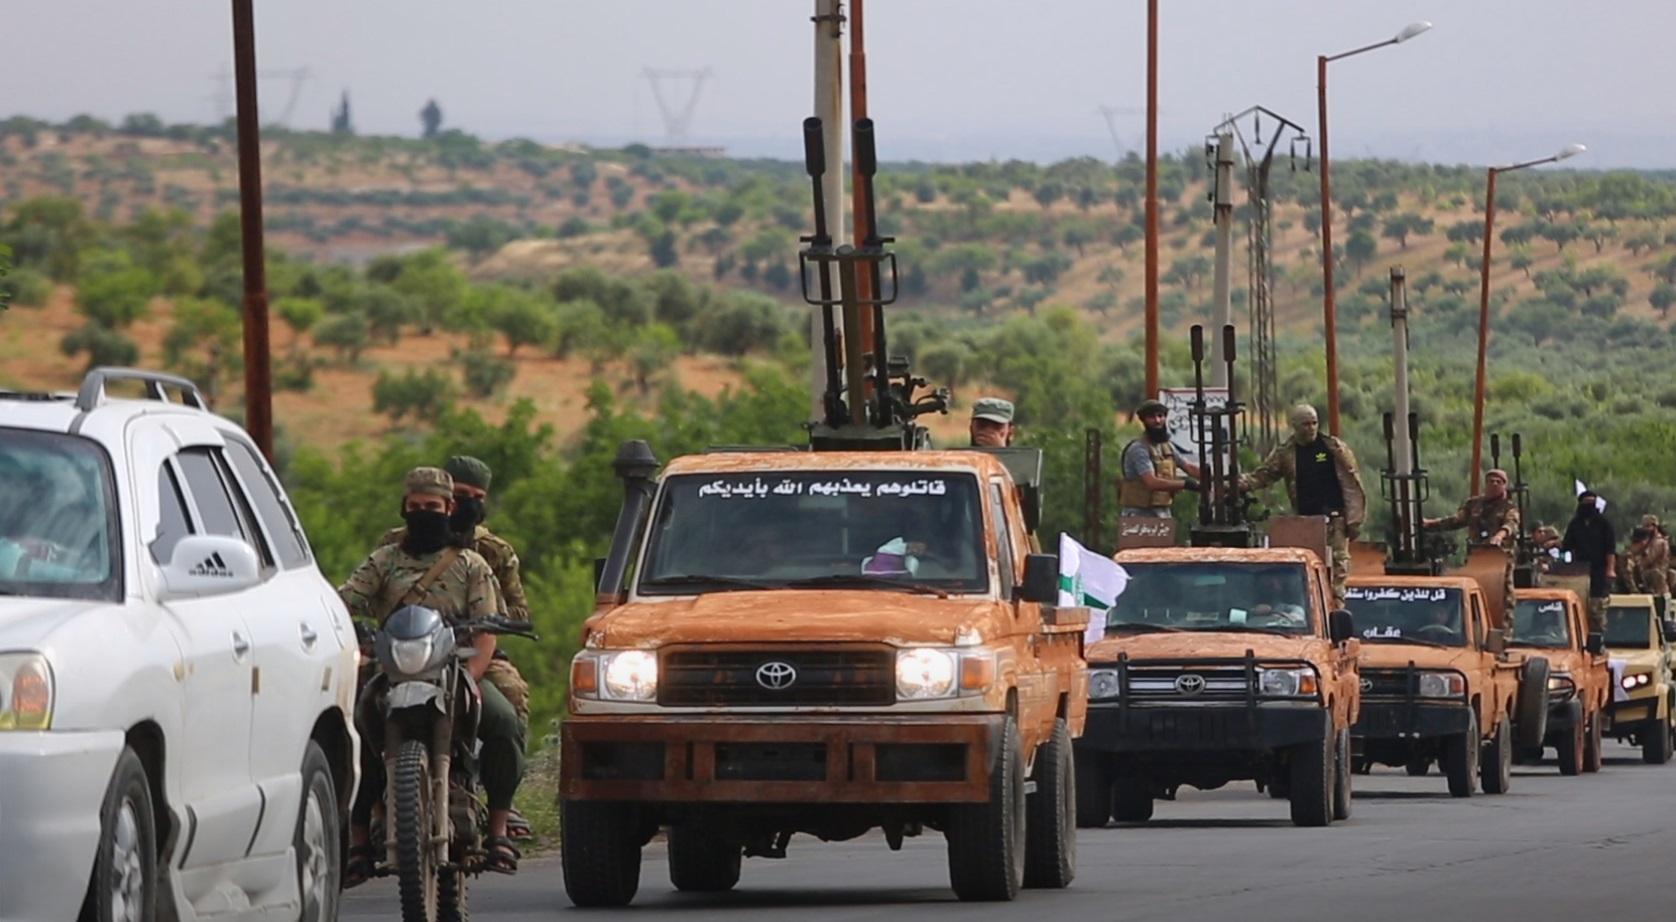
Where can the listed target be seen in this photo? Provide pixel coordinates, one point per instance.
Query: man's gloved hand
(1190, 484)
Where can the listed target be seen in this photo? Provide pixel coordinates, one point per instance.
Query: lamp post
(1328, 310)
(1570, 150)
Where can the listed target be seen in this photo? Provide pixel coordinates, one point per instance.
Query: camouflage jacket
(1282, 464)
(1483, 517)
(465, 591)
(502, 559)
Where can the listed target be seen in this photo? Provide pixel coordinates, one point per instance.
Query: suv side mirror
(1596, 643)
(1041, 579)
(210, 565)
(1495, 640)
(1340, 626)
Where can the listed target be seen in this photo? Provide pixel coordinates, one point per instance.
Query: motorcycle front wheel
(416, 872)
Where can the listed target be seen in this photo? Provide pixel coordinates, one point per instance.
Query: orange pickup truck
(1553, 624)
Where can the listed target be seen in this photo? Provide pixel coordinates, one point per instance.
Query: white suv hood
(25, 623)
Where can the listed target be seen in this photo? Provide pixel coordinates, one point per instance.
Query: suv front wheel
(124, 884)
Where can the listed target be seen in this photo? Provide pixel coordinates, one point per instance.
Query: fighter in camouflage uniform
(1652, 559)
(460, 587)
(1321, 479)
(1491, 518)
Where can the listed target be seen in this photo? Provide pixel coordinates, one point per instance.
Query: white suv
(176, 677)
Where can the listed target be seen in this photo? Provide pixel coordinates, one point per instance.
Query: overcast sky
(1495, 81)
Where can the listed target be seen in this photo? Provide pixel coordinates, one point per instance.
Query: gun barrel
(866, 156)
(814, 147)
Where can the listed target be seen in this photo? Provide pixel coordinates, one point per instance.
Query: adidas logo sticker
(213, 566)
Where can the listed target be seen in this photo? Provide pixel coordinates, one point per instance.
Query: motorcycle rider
(429, 568)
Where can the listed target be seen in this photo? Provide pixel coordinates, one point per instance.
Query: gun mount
(869, 402)
(1526, 572)
(1224, 519)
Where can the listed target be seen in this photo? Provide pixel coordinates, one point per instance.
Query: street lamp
(1329, 312)
(1570, 150)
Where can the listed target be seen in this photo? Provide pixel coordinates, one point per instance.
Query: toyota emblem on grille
(1367, 685)
(1190, 683)
(776, 675)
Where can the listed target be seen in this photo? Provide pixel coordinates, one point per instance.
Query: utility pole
(1151, 284)
(258, 383)
(829, 108)
(870, 321)
(1222, 194)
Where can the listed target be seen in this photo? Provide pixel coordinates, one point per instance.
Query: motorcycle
(421, 709)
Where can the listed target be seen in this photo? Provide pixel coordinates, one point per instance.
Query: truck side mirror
(1041, 579)
(1669, 631)
(1596, 643)
(1495, 640)
(1340, 626)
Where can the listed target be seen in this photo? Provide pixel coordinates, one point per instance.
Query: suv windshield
(1212, 597)
(58, 529)
(1404, 614)
(1540, 623)
(772, 530)
(1628, 628)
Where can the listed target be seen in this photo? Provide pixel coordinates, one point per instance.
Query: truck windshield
(58, 523)
(1405, 614)
(911, 529)
(1212, 597)
(1540, 623)
(1628, 628)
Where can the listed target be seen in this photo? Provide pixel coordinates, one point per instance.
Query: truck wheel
(1592, 756)
(1495, 772)
(1094, 790)
(1280, 782)
(1417, 766)
(600, 852)
(1655, 743)
(986, 841)
(1573, 750)
(1460, 759)
(700, 862)
(1313, 779)
(1133, 800)
(1341, 771)
(1530, 713)
(1050, 830)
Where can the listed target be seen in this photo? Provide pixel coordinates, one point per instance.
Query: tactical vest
(1133, 493)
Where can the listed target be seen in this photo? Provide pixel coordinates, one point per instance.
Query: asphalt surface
(1552, 848)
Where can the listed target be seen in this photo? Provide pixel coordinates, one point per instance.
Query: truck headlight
(1636, 680)
(924, 672)
(1103, 684)
(1441, 685)
(629, 675)
(1287, 683)
(26, 692)
(411, 656)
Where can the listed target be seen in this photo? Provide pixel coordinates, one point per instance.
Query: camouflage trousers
(1338, 544)
(1597, 614)
(505, 677)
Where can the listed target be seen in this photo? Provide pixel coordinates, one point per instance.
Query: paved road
(1554, 848)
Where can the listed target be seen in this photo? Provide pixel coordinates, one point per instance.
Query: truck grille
(696, 677)
(1386, 683)
(1186, 683)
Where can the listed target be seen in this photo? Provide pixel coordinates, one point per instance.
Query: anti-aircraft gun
(869, 402)
(1526, 573)
(1224, 510)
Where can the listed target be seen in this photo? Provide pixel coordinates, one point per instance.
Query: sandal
(502, 857)
(517, 828)
(358, 869)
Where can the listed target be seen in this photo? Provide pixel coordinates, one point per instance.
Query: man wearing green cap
(429, 568)
(992, 423)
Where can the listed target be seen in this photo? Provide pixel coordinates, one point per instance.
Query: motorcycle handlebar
(497, 625)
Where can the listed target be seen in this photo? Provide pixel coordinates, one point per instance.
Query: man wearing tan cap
(1491, 518)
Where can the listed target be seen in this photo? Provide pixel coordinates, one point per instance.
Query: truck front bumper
(1632, 715)
(1382, 720)
(1231, 727)
(779, 759)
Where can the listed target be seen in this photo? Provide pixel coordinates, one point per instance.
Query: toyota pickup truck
(826, 643)
(1643, 705)
(1219, 664)
(1553, 624)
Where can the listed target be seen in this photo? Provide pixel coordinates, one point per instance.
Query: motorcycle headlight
(629, 675)
(26, 692)
(1287, 683)
(411, 656)
(1636, 680)
(1441, 685)
(924, 673)
(1103, 684)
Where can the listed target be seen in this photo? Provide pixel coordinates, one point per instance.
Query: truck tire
(1050, 829)
(1495, 771)
(1313, 779)
(1094, 790)
(700, 862)
(1132, 801)
(1655, 742)
(1530, 708)
(600, 852)
(1280, 781)
(1417, 766)
(1341, 771)
(1573, 749)
(1592, 756)
(1460, 759)
(986, 841)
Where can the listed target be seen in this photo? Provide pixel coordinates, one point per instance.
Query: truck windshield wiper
(1414, 640)
(695, 579)
(863, 579)
(1143, 627)
(1246, 629)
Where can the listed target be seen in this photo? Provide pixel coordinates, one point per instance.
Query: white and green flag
(1088, 579)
